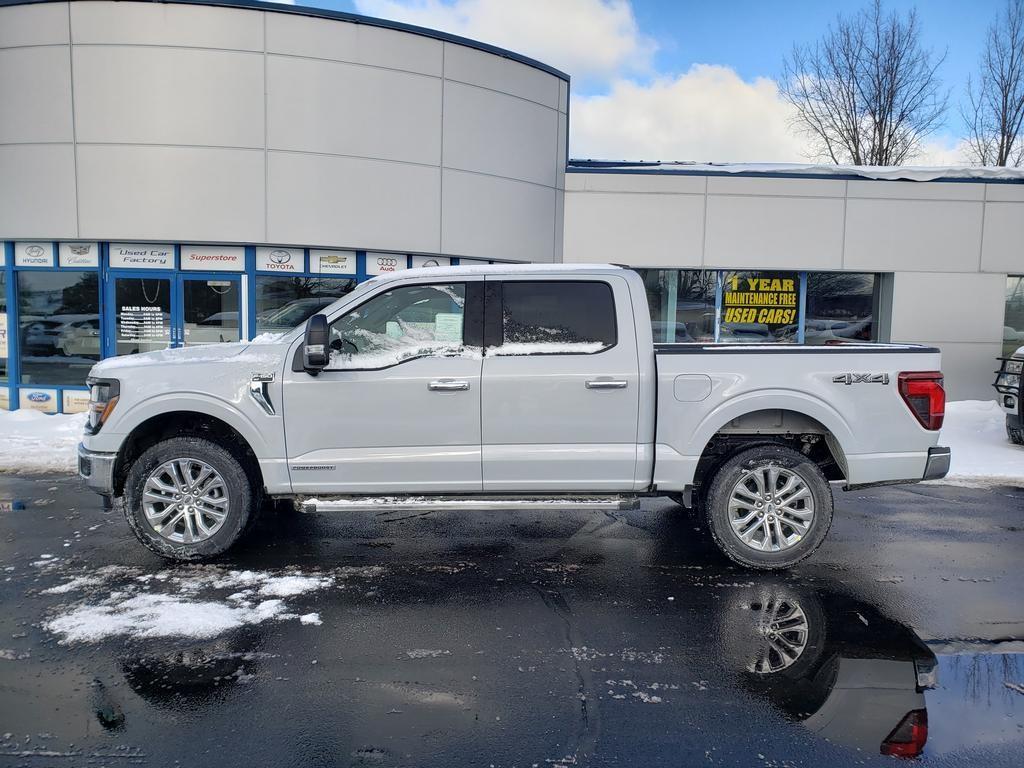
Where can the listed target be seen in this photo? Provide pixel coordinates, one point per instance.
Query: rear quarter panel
(701, 389)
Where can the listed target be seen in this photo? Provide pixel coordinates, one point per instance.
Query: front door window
(142, 307)
(398, 325)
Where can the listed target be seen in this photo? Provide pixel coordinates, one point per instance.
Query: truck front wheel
(187, 498)
(768, 507)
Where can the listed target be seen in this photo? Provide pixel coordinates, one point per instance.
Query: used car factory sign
(142, 255)
(769, 299)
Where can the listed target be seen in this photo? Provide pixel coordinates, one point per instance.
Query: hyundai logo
(280, 257)
(35, 251)
(38, 397)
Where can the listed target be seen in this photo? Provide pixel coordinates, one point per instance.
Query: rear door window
(556, 317)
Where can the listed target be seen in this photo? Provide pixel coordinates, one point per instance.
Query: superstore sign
(770, 299)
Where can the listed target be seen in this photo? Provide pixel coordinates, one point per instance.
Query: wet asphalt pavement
(501, 639)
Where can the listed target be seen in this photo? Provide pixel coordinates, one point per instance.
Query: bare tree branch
(994, 112)
(867, 93)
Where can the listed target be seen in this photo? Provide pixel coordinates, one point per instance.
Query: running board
(480, 503)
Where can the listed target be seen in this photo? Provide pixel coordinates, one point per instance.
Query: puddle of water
(976, 703)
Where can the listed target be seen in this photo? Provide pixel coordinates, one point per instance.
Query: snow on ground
(35, 442)
(192, 601)
(976, 432)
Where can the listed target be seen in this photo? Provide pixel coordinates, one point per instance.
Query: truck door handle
(607, 384)
(448, 385)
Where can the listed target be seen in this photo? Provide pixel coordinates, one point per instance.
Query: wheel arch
(799, 420)
(180, 423)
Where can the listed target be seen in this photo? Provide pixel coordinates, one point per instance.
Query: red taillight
(907, 739)
(923, 393)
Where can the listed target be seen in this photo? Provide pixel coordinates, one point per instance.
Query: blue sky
(686, 80)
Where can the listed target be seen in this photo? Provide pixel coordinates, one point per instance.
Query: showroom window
(58, 326)
(285, 302)
(682, 304)
(1013, 323)
(762, 306)
(557, 317)
(840, 307)
(4, 341)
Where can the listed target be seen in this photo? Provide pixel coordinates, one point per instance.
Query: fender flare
(194, 402)
(774, 399)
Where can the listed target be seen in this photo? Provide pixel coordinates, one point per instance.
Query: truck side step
(474, 503)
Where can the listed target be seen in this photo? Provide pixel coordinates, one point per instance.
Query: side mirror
(315, 352)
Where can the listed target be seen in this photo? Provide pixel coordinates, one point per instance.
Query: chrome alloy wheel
(185, 500)
(770, 508)
(782, 630)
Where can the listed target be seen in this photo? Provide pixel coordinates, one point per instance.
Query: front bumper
(97, 469)
(937, 465)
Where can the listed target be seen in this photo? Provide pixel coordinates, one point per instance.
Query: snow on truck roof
(500, 269)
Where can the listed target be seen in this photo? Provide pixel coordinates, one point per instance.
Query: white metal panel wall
(191, 122)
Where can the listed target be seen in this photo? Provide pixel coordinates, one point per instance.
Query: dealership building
(196, 172)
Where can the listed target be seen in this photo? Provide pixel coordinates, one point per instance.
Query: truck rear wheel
(187, 498)
(1015, 434)
(768, 507)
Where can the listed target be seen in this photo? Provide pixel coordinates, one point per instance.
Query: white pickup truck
(511, 387)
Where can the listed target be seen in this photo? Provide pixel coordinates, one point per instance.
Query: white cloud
(592, 40)
(706, 114)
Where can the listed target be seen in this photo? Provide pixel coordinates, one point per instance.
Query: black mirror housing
(315, 350)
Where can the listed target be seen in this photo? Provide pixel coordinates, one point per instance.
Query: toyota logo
(280, 257)
(387, 262)
(35, 251)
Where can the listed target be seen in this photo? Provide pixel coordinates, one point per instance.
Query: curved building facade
(175, 173)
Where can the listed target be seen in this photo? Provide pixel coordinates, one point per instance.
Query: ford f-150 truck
(512, 387)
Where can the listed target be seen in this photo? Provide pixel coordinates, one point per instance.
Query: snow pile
(975, 430)
(31, 441)
(190, 602)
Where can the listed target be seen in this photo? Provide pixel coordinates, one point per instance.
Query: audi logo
(280, 257)
(384, 261)
(35, 251)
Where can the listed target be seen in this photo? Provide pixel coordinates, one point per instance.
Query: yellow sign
(760, 298)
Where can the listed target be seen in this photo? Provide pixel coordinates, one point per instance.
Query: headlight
(1013, 366)
(103, 395)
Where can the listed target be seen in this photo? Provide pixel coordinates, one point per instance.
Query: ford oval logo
(38, 397)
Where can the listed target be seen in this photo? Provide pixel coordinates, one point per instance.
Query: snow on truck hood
(233, 352)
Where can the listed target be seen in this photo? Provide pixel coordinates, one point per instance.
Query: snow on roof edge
(875, 172)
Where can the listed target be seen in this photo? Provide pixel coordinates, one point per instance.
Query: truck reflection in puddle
(834, 664)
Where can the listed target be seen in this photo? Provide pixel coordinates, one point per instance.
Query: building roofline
(352, 18)
(965, 175)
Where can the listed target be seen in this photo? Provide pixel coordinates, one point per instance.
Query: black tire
(725, 478)
(1016, 434)
(241, 497)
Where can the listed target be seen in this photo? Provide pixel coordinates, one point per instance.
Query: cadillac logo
(280, 256)
(80, 250)
(34, 251)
